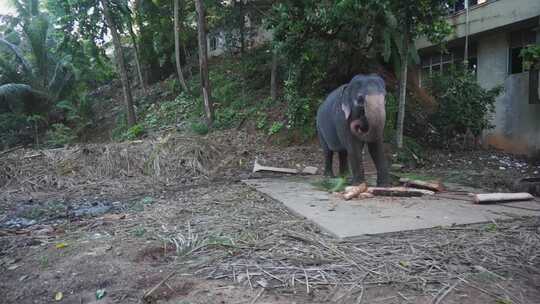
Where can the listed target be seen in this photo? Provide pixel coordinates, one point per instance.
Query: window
(438, 63)
(213, 43)
(518, 40)
(459, 5)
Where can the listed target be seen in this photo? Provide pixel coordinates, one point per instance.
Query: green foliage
(134, 132)
(231, 93)
(463, 106)
(262, 120)
(199, 127)
(14, 130)
(391, 116)
(331, 185)
(531, 57)
(329, 42)
(121, 132)
(412, 153)
(139, 231)
(301, 109)
(79, 115)
(183, 107)
(491, 227)
(275, 128)
(59, 135)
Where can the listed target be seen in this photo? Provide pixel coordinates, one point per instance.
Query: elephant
(350, 117)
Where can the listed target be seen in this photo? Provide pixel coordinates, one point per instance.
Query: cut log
(398, 191)
(486, 198)
(310, 170)
(365, 195)
(433, 186)
(354, 191)
(307, 170)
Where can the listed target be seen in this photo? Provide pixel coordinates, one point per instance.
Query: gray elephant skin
(351, 116)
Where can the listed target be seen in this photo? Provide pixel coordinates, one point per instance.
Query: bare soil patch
(174, 210)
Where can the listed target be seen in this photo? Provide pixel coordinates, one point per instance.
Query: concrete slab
(382, 214)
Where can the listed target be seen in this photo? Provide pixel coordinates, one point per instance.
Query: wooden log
(486, 198)
(433, 186)
(257, 168)
(398, 191)
(310, 170)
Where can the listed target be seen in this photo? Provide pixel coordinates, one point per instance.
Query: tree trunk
(203, 63)
(120, 62)
(149, 58)
(177, 46)
(402, 89)
(137, 54)
(242, 29)
(273, 76)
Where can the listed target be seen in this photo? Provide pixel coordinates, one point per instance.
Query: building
(495, 32)
(221, 40)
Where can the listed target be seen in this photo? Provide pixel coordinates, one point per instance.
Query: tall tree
(415, 18)
(179, 71)
(402, 83)
(133, 38)
(203, 63)
(120, 62)
(273, 76)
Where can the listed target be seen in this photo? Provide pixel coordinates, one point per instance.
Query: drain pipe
(466, 55)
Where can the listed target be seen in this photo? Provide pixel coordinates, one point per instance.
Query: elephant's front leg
(376, 150)
(356, 164)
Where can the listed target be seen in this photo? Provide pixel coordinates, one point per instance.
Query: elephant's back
(328, 120)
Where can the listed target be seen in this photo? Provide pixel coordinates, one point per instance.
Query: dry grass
(166, 160)
(249, 239)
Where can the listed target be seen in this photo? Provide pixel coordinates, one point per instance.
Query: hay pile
(166, 160)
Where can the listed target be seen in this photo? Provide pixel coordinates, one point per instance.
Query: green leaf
(100, 293)
(147, 200)
(61, 245)
(404, 263)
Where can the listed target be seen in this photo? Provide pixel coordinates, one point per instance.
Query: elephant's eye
(359, 100)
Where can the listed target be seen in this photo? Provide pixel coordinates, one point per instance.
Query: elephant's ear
(345, 106)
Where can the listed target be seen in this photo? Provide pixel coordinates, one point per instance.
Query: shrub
(59, 135)
(391, 116)
(134, 132)
(199, 128)
(14, 130)
(183, 107)
(275, 128)
(463, 106)
(301, 109)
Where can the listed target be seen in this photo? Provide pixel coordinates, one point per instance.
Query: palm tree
(29, 71)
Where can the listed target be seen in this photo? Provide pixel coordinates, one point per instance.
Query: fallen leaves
(61, 245)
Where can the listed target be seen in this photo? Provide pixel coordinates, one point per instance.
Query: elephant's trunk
(370, 127)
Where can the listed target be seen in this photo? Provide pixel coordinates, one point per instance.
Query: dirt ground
(160, 222)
